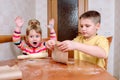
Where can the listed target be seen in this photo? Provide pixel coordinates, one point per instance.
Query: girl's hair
(33, 24)
(93, 15)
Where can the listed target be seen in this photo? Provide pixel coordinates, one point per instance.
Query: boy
(88, 46)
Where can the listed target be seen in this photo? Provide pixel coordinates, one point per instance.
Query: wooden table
(47, 69)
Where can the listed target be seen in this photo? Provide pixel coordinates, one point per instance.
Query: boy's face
(88, 28)
(34, 38)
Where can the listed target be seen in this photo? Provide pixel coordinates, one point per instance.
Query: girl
(33, 43)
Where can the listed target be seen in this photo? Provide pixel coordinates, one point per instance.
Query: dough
(10, 73)
(59, 56)
(32, 56)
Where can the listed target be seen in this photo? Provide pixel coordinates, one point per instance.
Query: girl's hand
(51, 24)
(19, 21)
(50, 44)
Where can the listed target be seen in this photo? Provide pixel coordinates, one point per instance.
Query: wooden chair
(8, 38)
(106, 60)
(5, 38)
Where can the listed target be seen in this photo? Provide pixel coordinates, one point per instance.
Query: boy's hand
(19, 21)
(66, 45)
(51, 24)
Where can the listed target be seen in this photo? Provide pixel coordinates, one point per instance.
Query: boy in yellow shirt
(88, 46)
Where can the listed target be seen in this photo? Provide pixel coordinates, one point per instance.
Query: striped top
(26, 47)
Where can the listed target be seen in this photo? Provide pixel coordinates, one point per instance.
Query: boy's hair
(93, 15)
(33, 24)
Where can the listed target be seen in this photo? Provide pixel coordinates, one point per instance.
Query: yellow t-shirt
(100, 41)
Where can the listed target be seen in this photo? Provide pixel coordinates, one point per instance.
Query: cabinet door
(66, 14)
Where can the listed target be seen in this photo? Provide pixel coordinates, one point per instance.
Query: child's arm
(17, 32)
(52, 31)
(19, 23)
(50, 43)
(88, 49)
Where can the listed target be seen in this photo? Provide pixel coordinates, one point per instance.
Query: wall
(117, 40)
(41, 15)
(8, 11)
(106, 8)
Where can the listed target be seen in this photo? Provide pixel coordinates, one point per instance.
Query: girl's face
(88, 28)
(34, 38)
